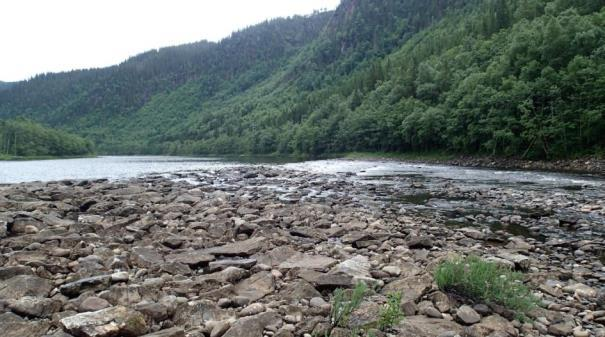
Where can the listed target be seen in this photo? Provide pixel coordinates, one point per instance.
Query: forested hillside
(24, 138)
(502, 77)
(4, 85)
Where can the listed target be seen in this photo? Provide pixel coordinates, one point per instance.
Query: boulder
(35, 306)
(110, 322)
(94, 283)
(253, 326)
(411, 288)
(25, 285)
(467, 315)
(581, 290)
(12, 325)
(256, 286)
(491, 324)
(418, 242)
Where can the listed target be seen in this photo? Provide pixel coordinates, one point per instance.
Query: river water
(551, 204)
(124, 167)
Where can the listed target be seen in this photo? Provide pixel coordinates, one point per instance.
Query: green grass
(391, 314)
(480, 280)
(345, 302)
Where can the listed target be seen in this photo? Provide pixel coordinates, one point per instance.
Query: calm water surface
(101, 167)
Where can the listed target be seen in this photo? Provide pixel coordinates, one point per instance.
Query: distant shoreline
(28, 158)
(585, 165)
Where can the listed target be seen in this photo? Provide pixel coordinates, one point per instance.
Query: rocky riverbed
(258, 251)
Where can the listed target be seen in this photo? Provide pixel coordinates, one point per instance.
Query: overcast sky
(38, 36)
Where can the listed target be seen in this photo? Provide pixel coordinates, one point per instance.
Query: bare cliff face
(255, 251)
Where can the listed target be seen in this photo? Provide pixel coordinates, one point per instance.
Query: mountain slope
(87, 100)
(504, 77)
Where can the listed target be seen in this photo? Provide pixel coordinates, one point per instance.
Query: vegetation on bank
(344, 302)
(497, 77)
(480, 280)
(24, 139)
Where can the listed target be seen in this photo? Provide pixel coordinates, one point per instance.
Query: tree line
(522, 78)
(24, 138)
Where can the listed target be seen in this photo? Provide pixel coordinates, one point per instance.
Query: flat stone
(299, 289)
(146, 257)
(12, 325)
(239, 248)
(25, 285)
(35, 306)
(358, 267)
(93, 303)
(421, 326)
(467, 315)
(75, 288)
(193, 259)
(305, 261)
(114, 321)
(12, 271)
(256, 286)
(326, 281)
(240, 263)
(172, 332)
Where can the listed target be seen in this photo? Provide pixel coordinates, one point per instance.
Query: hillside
(25, 138)
(5, 85)
(501, 77)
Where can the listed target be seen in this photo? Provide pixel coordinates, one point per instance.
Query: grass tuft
(344, 303)
(391, 314)
(480, 280)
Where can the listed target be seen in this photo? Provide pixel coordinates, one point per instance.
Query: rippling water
(123, 167)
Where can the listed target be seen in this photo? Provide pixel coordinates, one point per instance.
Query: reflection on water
(101, 167)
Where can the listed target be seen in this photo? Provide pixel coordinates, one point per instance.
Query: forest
(514, 78)
(23, 138)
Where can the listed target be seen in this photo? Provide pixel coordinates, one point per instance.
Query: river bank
(258, 251)
(590, 165)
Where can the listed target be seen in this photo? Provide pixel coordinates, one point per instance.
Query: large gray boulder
(110, 322)
(25, 285)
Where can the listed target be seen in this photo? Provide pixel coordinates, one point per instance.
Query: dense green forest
(523, 78)
(24, 138)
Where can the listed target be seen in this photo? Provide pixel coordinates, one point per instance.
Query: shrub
(481, 280)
